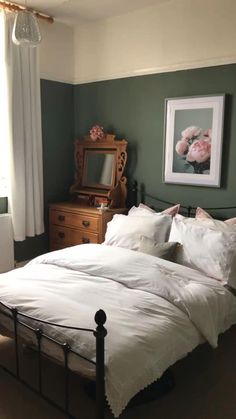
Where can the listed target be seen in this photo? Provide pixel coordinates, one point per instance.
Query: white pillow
(143, 209)
(207, 245)
(125, 231)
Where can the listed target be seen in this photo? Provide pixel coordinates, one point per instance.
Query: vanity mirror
(99, 171)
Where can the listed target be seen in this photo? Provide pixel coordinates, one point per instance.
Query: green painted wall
(133, 108)
(3, 205)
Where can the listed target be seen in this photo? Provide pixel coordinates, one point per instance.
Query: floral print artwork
(195, 148)
(193, 140)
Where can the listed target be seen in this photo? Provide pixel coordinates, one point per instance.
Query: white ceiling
(72, 11)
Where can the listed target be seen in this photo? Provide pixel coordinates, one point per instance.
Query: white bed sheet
(157, 311)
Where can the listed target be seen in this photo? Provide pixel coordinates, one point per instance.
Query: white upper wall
(57, 52)
(174, 35)
(179, 34)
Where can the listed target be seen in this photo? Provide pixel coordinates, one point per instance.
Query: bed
(157, 310)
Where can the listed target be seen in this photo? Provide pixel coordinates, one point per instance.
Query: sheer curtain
(25, 174)
(4, 112)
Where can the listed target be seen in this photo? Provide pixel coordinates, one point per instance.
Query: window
(4, 124)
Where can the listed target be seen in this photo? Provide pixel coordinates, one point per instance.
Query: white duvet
(157, 311)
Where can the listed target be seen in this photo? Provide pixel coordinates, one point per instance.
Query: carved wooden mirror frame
(117, 192)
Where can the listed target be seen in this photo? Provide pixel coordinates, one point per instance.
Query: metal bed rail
(139, 194)
(99, 333)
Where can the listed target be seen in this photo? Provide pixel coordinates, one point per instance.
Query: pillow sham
(201, 213)
(207, 245)
(143, 209)
(125, 231)
(161, 250)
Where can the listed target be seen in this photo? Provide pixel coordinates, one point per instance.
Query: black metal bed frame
(140, 195)
(100, 333)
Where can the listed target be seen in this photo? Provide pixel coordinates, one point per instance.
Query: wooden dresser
(72, 224)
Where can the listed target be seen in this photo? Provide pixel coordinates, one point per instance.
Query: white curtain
(4, 111)
(25, 194)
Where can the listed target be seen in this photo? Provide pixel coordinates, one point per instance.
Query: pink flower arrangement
(181, 147)
(208, 133)
(191, 132)
(96, 133)
(199, 151)
(195, 148)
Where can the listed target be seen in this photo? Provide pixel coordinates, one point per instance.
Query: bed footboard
(19, 319)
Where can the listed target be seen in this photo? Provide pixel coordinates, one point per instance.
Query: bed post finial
(100, 334)
(100, 318)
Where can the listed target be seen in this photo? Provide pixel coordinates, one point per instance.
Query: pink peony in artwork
(195, 148)
(181, 147)
(199, 150)
(208, 133)
(191, 132)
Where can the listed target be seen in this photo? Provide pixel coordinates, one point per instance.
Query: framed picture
(193, 140)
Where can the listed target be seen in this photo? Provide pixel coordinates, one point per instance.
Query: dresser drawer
(61, 236)
(64, 218)
(71, 224)
(83, 237)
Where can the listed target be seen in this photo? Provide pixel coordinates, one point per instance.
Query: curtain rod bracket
(13, 7)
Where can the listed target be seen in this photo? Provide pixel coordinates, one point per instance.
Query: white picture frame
(193, 136)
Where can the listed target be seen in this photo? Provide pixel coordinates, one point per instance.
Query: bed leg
(100, 333)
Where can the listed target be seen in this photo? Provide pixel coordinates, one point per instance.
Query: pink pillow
(172, 210)
(201, 213)
(169, 211)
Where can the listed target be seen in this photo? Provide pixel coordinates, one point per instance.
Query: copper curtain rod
(16, 8)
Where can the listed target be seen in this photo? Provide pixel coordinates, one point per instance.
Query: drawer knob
(85, 240)
(61, 235)
(86, 223)
(61, 218)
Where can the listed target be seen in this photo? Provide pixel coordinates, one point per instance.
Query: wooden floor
(205, 388)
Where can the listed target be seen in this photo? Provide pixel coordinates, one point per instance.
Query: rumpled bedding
(157, 311)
